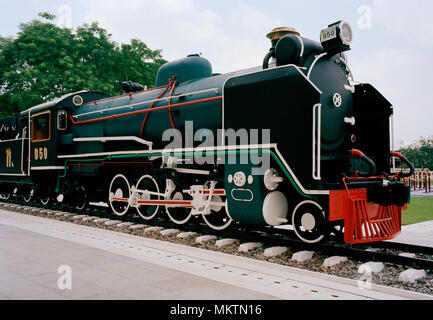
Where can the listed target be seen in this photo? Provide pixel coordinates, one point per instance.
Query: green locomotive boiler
(294, 141)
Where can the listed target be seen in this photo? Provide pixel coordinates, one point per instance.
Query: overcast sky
(392, 49)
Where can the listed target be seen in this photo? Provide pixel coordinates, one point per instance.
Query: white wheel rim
(293, 222)
(178, 196)
(85, 200)
(30, 195)
(110, 195)
(45, 201)
(155, 212)
(219, 228)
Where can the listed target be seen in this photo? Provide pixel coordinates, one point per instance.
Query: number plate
(328, 34)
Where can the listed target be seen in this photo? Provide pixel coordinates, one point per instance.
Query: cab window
(62, 120)
(41, 124)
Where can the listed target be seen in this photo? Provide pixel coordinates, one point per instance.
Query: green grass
(419, 210)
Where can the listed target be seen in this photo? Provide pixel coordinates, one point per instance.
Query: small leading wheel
(309, 222)
(151, 192)
(179, 215)
(118, 195)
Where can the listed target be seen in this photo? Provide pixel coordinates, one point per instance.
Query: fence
(421, 181)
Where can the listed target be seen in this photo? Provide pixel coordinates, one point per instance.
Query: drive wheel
(179, 215)
(309, 223)
(118, 195)
(219, 218)
(151, 192)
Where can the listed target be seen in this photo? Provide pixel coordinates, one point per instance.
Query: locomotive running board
(110, 139)
(187, 151)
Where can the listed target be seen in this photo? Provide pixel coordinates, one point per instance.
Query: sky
(392, 47)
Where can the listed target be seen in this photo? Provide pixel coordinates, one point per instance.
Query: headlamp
(337, 37)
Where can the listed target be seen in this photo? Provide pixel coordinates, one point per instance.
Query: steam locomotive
(293, 142)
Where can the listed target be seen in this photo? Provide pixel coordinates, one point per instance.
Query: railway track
(386, 252)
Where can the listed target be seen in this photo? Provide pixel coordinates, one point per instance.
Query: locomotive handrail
(130, 106)
(184, 104)
(318, 57)
(317, 138)
(9, 140)
(268, 56)
(106, 139)
(407, 162)
(370, 163)
(347, 67)
(24, 133)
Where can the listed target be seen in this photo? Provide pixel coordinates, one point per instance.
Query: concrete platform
(29, 265)
(421, 194)
(420, 234)
(111, 265)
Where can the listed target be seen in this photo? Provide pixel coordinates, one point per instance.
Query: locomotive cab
(31, 144)
(50, 129)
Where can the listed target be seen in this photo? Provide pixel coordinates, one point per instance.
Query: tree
(45, 61)
(136, 61)
(420, 153)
